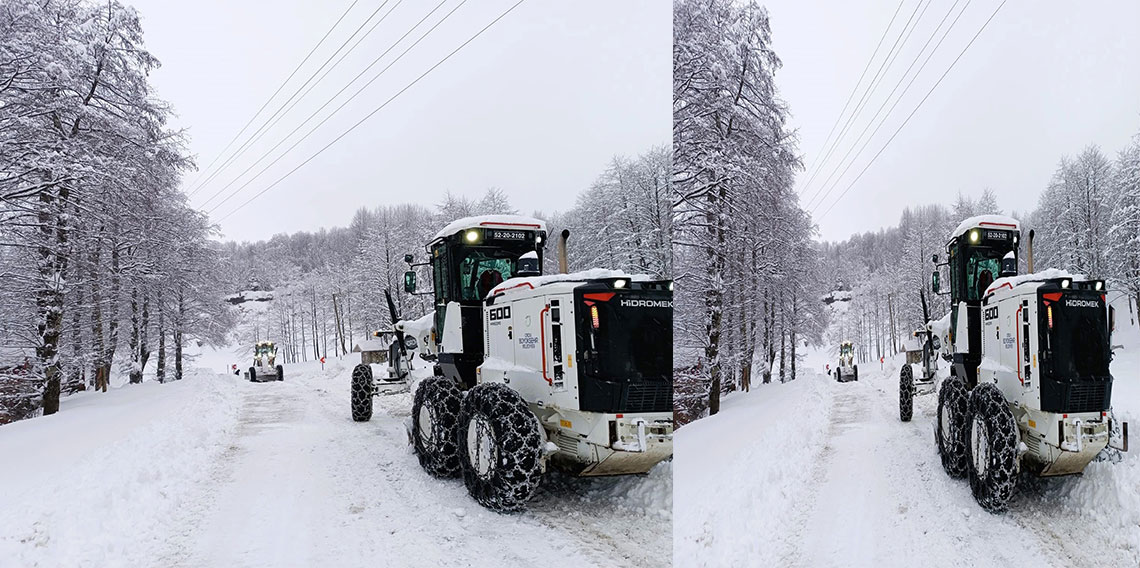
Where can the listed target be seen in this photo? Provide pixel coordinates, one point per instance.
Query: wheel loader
(1029, 388)
(568, 370)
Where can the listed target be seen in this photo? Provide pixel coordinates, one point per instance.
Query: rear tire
(856, 372)
(906, 393)
(361, 394)
(950, 426)
(435, 419)
(500, 447)
(280, 373)
(252, 375)
(993, 441)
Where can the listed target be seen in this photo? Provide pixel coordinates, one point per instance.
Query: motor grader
(1029, 388)
(573, 370)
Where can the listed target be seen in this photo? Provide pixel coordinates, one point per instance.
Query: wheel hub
(944, 424)
(979, 441)
(427, 426)
(481, 447)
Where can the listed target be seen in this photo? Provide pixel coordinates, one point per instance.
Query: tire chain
(994, 490)
(361, 396)
(517, 472)
(444, 400)
(906, 393)
(954, 453)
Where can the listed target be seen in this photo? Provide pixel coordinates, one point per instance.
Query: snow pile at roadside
(109, 464)
(740, 483)
(650, 495)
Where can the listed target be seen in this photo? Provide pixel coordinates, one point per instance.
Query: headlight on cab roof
(620, 283)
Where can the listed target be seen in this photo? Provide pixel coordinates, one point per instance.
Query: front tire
(435, 419)
(993, 438)
(361, 393)
(950, 427)
(500, 447)
(280, 373)
(856, 369)
(906, 393)
(252, 375)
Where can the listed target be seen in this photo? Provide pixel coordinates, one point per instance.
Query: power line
(963, 52)
(278, 114)
(328, 102)
(378, 109)
(867, 91)
(854, 89)
(827, 182)
(275, 93)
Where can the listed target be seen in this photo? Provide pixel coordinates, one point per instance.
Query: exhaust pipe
(563, 264)
(1029, 259)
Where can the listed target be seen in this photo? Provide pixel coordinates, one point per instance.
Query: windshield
(982, 267)
(845, 350)
(481, 270)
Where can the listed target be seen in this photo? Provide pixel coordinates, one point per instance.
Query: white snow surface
(217, 471)
(591, 274)
(492, 221)
(980, 220)
(1047, 274)
(817, 473)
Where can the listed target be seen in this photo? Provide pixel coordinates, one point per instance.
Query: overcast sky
(1045, 79)
(536, 106)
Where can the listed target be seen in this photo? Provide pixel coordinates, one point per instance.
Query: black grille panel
(1088, 397)
(654, 396)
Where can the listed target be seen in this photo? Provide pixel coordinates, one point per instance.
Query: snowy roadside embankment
(743, 471)
(109, 464)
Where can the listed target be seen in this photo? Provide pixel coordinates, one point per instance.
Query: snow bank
(109, 464)
(493, 221)
(744, 471)
(992, 221)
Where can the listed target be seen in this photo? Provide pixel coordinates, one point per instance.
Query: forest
(101, 261)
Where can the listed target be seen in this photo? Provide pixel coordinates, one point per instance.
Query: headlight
(472, 236)
(619, 283)
(975, 236)
(670, 286)
(1065, 283)
(1099, 285)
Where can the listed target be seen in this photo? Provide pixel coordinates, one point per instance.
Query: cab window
(479, 273)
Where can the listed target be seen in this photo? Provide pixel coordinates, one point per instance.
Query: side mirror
(410, 282)
(934, 259)
(410, 343)
(408, 258)
(934, 283)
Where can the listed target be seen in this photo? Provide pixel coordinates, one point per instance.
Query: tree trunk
(160, 365)
(136, 370)
(49, 297)
(179, 322)
(144, 345)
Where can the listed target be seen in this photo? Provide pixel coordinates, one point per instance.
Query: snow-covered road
(277, 474)
(817, 473)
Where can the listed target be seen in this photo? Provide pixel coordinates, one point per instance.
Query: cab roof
(492, 222)
(986, 221)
